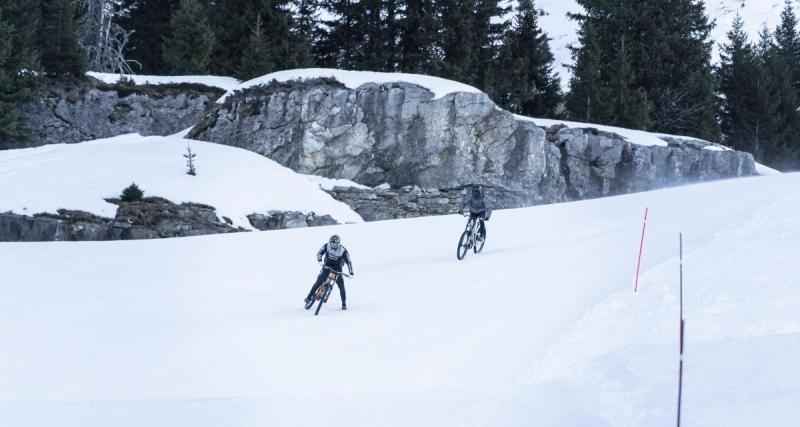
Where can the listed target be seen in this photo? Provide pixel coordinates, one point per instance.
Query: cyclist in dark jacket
(479, 207)
(335, 256)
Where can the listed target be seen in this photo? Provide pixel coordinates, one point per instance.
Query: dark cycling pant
(481, 226)
(321, 279)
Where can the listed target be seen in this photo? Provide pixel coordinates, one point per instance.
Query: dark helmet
(335, 241)
(477, 191)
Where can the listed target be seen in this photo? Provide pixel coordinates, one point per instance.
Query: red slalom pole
(641, 245)
(683, 325)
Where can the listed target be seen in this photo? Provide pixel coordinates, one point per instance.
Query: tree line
(642, 64)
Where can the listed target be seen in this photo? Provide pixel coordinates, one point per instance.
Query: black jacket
(334, 258)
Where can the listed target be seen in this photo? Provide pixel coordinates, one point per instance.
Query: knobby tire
(479, 244)
(462, 244)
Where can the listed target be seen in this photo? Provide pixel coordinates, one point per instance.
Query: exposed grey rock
(151, 218)
(397, 133)
(72, 110)
(407, 202)
(278, 220)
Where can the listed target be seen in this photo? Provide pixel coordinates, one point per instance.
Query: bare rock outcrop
(399, 134)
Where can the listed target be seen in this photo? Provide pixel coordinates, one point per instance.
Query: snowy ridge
(542, 327)
(353, 79)
(80, 176)
(224, 83)
(633, 136)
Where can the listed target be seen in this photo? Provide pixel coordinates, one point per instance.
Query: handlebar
(325, 267)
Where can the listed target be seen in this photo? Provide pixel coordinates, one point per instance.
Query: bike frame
(471, 226)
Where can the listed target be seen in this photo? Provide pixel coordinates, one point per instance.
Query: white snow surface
(542, 328)
(328, 183)
(224, 83)
(81, 176)
(353, 79)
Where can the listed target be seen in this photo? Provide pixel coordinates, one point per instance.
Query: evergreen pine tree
(489, 28)
(740, 83)
(667, 46)
(256, 59)
(305, 31)
(188, 47)
(363, 35)
(17, 64)
(149, 22)
(60, 54)
(776, 149)
(233, 24)
(787, 42)
(526, 83)
(418, 30)
(458, 39)
(587, 97)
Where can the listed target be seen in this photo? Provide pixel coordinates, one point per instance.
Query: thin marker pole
(680, 366)
(641, 245)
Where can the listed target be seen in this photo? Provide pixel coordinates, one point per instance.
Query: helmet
(476, 190)
(335, 241)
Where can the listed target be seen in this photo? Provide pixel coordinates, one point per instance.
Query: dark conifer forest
(641, 64)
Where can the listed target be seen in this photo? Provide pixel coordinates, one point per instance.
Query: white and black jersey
(335, 258)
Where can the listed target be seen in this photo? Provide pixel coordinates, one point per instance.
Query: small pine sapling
(132, 194)
(190, 160)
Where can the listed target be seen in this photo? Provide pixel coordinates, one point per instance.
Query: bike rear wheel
(463, 245)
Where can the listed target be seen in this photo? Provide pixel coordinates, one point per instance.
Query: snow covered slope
(80, 176)
(542, 328)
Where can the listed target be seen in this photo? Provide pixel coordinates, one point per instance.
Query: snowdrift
(542, 328)
(81, 176)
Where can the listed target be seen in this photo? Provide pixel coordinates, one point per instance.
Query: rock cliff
(398, 133)
(72, 110)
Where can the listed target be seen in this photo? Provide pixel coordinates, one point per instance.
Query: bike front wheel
(479, 244)
(463, 245)
(323, 298)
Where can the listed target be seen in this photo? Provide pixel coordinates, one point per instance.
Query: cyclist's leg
(482, 228)
(340, 282)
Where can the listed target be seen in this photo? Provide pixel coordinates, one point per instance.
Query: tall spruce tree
(666, 42)
(418, 30)
(306, 33)
(233, 24)
(787, 42)
(777, 149)
(489, 27)
(741, 86)
(588, 93)
(525, 81)
(18, 61)
(363, 35)
(188, 47)
(255, 60)
(458, 39)
(58, 40)
(149, 22)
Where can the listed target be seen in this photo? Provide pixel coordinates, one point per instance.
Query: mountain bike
(469, 238)
(324, 291)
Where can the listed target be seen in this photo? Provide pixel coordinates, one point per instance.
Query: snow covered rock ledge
(404, 133)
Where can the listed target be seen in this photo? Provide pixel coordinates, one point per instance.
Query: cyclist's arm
(346, 257)
(321, 253)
